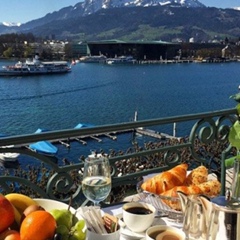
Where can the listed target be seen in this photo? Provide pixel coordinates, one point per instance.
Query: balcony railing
(206, 143)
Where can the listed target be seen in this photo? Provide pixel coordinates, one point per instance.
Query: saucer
(130, 235)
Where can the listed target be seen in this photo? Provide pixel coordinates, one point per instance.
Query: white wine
(96, 188)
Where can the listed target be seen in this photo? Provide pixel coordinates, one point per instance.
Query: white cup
(162, 232)
(138, 222)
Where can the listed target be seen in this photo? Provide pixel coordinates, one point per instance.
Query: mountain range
(167, 20)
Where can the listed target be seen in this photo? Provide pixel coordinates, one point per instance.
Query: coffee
(139, 210)
(165, 235)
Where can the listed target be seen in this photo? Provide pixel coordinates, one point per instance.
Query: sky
(18, 11)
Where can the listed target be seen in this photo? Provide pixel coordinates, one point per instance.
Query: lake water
(102, 94)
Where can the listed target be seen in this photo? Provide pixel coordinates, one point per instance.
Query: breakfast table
(127, 234)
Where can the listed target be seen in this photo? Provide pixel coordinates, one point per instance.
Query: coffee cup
(164, 232)
(138, 216)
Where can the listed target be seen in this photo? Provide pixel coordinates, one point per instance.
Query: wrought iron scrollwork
(63, 185)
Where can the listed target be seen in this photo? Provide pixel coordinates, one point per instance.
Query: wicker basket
(158, 202)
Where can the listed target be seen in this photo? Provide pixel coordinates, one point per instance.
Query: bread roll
(166, 180)
(210, 188)
(197, 176)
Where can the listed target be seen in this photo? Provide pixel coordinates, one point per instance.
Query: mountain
(152, 23)
(92, 6)
(11, 24)
(95, 20)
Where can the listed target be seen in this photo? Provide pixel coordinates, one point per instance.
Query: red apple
(6, 213)
(10, 235)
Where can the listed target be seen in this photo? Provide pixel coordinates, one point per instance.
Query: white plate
(49, 204)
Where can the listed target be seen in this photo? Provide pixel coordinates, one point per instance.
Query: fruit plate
(49, 204)
(158, 202)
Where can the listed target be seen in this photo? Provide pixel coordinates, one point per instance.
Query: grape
(78, 236)
(57, 236)
(79, 225)
(63, 231)
(77, 231)
(74, 219)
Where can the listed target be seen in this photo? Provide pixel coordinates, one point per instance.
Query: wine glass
(97, 183)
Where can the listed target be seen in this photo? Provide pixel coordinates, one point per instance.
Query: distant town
(22, 46)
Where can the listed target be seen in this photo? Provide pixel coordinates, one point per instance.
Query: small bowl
(160, 232)
(110, 236)
(138, 220)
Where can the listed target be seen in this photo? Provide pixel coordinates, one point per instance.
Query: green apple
(63, 217)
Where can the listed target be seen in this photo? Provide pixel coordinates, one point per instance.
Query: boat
(121, 60)
(93, 59)
(35, 67)
(83, 125)
(43, 147)
(8, 156)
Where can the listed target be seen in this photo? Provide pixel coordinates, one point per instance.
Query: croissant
(172, 193)
(166, 180)
(197, 176)
(210, 188)
(188, 190)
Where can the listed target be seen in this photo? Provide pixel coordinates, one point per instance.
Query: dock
(96, 137)
(154, 134)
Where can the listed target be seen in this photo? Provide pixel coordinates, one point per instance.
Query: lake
(103, 94)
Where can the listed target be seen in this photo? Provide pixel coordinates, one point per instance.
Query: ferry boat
(35, 67)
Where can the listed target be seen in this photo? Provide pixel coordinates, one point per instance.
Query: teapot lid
(220, 200)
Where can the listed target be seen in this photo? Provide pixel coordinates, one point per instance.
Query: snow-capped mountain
(88, 7)
(10, 24)
(91, 6)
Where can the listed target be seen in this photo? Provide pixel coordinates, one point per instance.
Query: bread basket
(158, 202)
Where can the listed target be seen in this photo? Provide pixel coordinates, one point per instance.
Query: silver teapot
(206, 220)
(195, 224)
(224, 221)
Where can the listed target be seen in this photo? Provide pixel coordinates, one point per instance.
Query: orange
(38, 225)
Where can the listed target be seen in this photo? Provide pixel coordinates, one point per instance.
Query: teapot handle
(207, 206)
(183, 200)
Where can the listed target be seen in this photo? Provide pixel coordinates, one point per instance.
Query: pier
(153, 134)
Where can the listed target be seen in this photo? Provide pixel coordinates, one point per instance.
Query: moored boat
(9, 156)
(35, 67)
(43, 147)
(121, 60)
(93, 59)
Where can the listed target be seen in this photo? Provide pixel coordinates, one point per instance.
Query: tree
(28, 52)
(8, 53)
